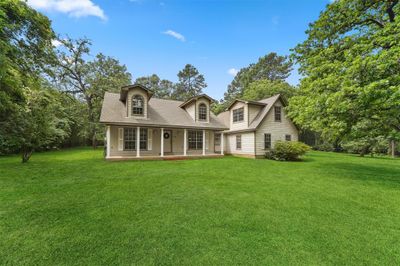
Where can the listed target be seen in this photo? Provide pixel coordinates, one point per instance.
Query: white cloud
(74, 8)
(56, 43)
(175, 34)
(232, 71)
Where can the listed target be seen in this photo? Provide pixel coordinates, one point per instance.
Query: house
(140, 126)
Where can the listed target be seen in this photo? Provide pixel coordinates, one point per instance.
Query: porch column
(184, 141)
(222, 143)
(138, 142)
(204, 142)
(108, 141)
(162, 142)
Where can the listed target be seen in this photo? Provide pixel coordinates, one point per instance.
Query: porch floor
(166, 157)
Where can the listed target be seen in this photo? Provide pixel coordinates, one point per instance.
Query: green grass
(72, 207)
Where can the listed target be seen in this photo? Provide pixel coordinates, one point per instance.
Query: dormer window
(238, 115)
(137, 105)
(202, 112)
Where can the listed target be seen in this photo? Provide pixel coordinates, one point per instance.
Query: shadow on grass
(363, 172)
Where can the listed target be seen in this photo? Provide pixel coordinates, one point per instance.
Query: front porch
(150, 143)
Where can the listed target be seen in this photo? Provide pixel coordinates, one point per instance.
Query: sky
(161, 36)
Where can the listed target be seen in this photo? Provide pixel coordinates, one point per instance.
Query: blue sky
(217, 37)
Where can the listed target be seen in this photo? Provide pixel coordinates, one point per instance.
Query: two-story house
(140, 126)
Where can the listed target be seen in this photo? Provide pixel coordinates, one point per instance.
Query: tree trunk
(393, 148)
(92, 123)
(26, 154)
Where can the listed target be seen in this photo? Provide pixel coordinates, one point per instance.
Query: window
(143, 138)
(238, 114)
(137, 105)
(217, 139)
(129, 139)
(267, 141)
(288, 137)
(202, 112)
(239, 142)
(278, 113)
(195, 140)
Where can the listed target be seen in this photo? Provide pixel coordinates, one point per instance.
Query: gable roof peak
(195, 98)
(125, 89)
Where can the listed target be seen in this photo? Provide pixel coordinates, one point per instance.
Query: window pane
(195, 140)
(288, 137)
(278, 113)
(129, 138)
(137, 105)
(267, 141)
(143, 138)
(238, 114)
(202, 112)
(238, 142)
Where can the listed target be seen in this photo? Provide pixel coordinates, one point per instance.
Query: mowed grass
(72, 207)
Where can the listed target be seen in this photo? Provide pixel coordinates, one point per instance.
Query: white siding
(131, 93)
(278, 130)
(247, 144)
(238, 125)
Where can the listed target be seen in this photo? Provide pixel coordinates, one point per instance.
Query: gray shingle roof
(161, 112)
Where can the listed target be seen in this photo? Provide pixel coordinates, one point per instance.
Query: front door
(167, 141)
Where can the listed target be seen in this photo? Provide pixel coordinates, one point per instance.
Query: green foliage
(191, 83)
(265, 88)
(35, 125)
(271, 67)
(88, 80)
(287, 151)
(367, 145)
(351, 72)
(161, 88)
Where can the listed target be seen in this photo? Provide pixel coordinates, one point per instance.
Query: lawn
(72, 207)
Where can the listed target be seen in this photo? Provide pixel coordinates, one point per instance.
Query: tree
(191, 83)
(265, 88)
(88, 80)
(271, 66)
(25, 52)
(34, 125)
(161, 88)
(351, 70)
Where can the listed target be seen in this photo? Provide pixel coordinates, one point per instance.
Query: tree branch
(390, 11)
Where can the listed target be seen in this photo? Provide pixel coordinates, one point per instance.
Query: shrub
(287, 151)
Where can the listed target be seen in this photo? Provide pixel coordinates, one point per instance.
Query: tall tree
(265, 88)
(25, 52)
(271, 66)
(88, 80)
(161, 88)
(191, 83)
(350, 62)
(34, 125)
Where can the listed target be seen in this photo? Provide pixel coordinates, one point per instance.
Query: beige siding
(238, 125)
(133, 92)
(247, 144)
(253, 111)
(191, 109)
(278, 130)
(177, 143)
